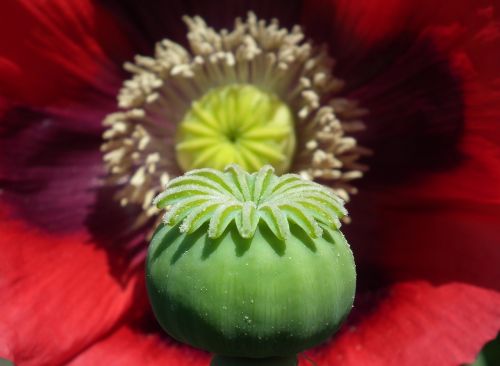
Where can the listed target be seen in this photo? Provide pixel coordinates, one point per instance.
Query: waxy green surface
(255, 297)
(250, 265)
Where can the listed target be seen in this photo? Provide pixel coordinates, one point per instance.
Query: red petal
(417, 324)
(128, 346)
(155, 20)
(438, 239)
(368, 22)
(58, 295)
(443, 225)
(51, 173)
(429, 207)
(50, 166)
(367, 36)
(414, 323)
(54, 49)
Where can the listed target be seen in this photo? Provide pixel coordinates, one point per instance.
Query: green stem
(238, 361)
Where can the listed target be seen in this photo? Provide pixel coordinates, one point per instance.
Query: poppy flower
(421, 77)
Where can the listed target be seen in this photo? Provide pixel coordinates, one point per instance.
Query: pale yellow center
(236, 123)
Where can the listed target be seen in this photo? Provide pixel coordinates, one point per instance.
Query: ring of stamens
(139, 141)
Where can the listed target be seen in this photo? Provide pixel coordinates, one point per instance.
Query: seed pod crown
(233, 195)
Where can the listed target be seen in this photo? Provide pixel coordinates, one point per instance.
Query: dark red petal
(443, 229)
(429, 207)
(366, 36)
(50, 166)
(51, 50)
(443, 223)
(408, 77)
(52, 174)
(484, 46)
(129, 346)
(409, 324)
(403, 76)
(155, 20)
(417, 324)
(58, 295)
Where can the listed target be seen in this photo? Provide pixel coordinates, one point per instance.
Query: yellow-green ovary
(240, 124)
(257, 297)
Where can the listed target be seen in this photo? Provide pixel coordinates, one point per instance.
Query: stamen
(148, 141)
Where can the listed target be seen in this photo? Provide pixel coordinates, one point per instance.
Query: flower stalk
(270, 361)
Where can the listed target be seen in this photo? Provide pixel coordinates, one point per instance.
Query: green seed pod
(251, 267)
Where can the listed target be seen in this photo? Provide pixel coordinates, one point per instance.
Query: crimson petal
(52, 175)
(58, 296)
(412, 323)
(131, 346)
(443, 224)
(49, 167)
(56, 49)
(154, 20)
(367, 35)
(416, 323)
